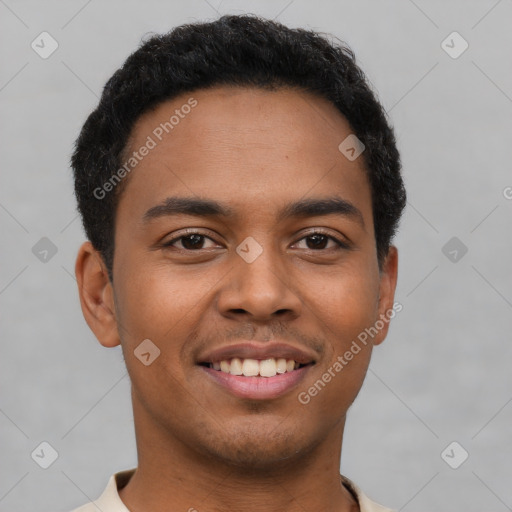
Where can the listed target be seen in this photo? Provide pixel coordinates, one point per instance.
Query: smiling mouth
(255, 367)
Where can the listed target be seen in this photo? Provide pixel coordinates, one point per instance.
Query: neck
(171, 473)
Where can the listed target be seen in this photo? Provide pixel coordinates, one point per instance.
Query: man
(240, 188)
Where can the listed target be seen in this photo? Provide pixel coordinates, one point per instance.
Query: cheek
(158, 306)
(154, 300)
(165, 307)
(345, 303)
(350, 309)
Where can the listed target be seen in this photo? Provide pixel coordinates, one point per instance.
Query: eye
(190, 242)
(319, 239)
(315, 241)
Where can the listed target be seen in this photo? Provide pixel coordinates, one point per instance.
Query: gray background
(441, 374)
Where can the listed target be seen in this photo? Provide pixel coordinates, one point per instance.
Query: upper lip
(254, 350)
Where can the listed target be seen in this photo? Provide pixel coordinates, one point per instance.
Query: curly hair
(240, 50)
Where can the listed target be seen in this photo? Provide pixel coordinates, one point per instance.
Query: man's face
(255, 284)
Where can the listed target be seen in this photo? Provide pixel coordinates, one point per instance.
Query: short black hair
(239, 50)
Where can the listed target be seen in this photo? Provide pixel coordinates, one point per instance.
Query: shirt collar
(110, 501)
(365, 504)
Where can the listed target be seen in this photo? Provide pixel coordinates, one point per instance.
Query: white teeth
(254, 367)
(236, 366)
(250, 367)
(268, 368)
(281, 365)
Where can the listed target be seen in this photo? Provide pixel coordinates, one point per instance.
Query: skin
(198, 445)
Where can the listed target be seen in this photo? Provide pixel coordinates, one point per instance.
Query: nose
(261, 289)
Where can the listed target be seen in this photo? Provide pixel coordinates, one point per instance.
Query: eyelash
(340, 244)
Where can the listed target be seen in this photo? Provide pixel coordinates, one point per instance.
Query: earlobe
(96, 295)
(387, 286)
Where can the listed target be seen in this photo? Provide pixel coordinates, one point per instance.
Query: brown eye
(318, 241)
(190, 242)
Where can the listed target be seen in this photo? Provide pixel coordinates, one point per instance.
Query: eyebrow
(209, 208)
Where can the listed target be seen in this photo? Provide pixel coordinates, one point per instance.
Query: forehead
(246, 147)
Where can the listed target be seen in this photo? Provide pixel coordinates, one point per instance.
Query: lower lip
(258, 388)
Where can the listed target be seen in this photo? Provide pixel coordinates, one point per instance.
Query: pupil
(195, 243)
(317, 237)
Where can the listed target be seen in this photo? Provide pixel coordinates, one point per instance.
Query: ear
(385, 309)
(96, 295)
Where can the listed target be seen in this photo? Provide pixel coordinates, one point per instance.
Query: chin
(257, 449)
